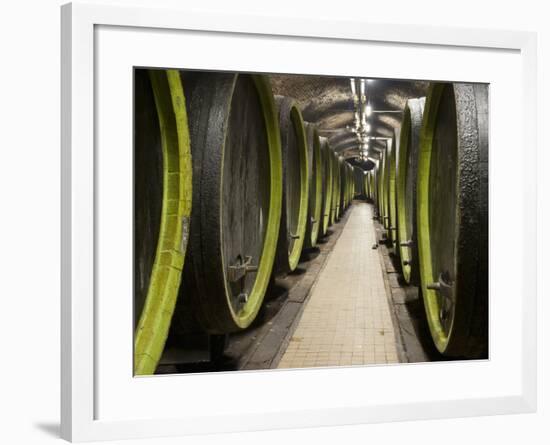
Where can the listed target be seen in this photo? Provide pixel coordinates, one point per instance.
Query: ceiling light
(362, 89)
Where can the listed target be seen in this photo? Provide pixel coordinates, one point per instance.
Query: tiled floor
(347, 318)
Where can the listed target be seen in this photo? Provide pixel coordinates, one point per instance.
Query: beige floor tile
(347, 319)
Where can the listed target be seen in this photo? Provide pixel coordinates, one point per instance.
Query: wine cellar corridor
(286, 221)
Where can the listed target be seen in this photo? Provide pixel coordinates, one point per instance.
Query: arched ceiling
(328, 102)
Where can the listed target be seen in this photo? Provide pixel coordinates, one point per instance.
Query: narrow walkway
(347, 319)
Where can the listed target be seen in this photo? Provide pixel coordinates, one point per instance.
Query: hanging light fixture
(353, 90)
(362, 90)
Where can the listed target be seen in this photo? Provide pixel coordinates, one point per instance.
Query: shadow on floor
(50, 428)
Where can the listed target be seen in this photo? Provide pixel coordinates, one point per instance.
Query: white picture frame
(96, 406)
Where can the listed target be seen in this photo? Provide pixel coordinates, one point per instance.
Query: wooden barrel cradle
(452, 217)
(406, 189)
(315, 164)
(237, 195)
(295, 185)
(162, 207)
(392, 198)
(327, 185)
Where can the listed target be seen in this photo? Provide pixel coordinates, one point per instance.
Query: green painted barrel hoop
(154, 322)
(470, 219)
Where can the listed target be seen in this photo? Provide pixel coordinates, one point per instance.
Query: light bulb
(368, 110)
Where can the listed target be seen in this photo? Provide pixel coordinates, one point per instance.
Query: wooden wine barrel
(327, 185)
(315, 164)
(393, 148)
(335, 172)
(350, 185)
(338, 162)
(237, 196)
(343, 187)
(406, 189)
(452, 217)
(382, 189)
(336, 187)
(371, 185)
(359, 181)
(372, 189)
(295, 185)
(366, 185)
(162, 208)
(375, 190)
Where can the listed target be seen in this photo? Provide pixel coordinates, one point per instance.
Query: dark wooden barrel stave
(452, 217)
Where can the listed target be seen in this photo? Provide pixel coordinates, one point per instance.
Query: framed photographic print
(274, 223)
